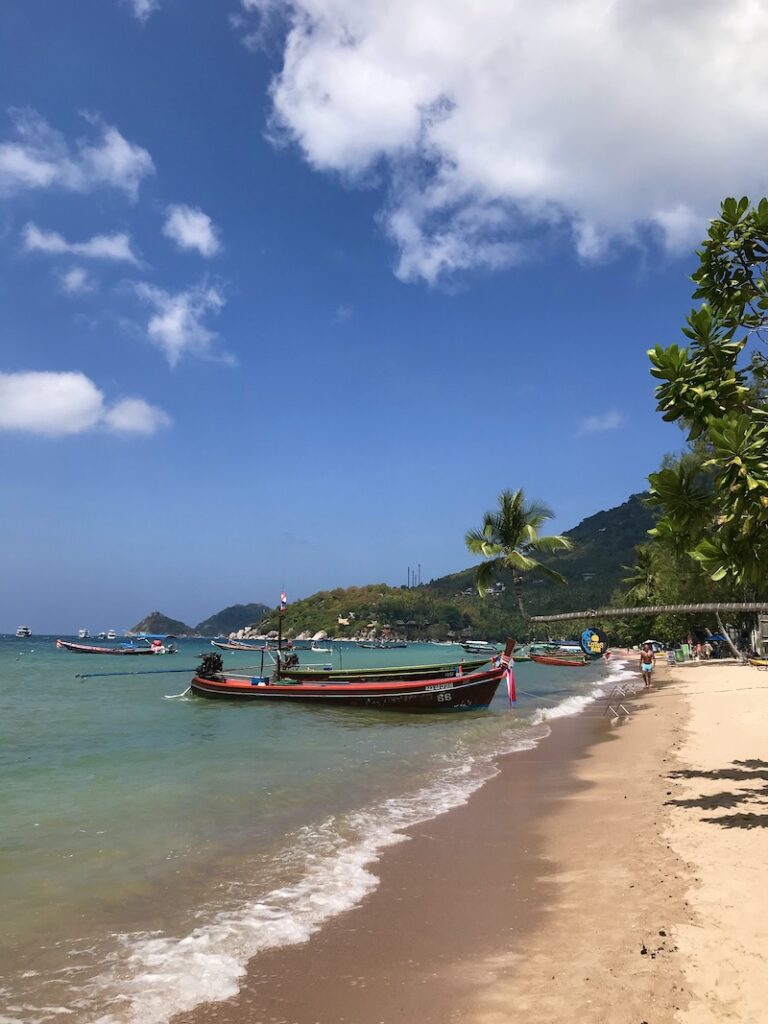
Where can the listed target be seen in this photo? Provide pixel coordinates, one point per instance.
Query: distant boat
(23, 631)
(111, 635)
(383, 645)
(480, 647)
(320, 650)
(83, 634)
(238, 645)
(548, 659)
(156, 647)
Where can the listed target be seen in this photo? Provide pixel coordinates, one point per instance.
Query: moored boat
(153, 648)
(23, 631)
(383, 645)
(549, 659)
(454, 693)
(238, 645)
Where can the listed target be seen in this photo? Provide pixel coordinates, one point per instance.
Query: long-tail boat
(237, 645)
(65, 645)
(549, 659)
(312, 673)
(473, 691)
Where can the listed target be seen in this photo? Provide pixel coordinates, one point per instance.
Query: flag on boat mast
(508, 662)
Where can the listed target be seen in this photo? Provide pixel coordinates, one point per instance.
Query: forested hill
(237, 616)
(602, 545)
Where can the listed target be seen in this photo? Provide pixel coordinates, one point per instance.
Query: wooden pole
(279, 642)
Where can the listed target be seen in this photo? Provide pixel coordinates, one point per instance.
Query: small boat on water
(315, 673)
(23, 631)
(83, 634)
(156, 647)
(480, 647)
(469, 692)
(566, 662)
(383, 645)
(238, 645)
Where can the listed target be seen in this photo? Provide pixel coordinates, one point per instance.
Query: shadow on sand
(753, 770)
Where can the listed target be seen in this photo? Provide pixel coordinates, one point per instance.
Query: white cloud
(596, 120)
(190, 228)
(58, 404)
(77, 281)
(176, 325)
(600, 423)
(343, 313)
(135, 416)
(100, 247)
(143, 8)
(41, 157)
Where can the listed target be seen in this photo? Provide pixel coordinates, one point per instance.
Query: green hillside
(603, 544)
(231, 619)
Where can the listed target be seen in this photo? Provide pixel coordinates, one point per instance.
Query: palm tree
(642, 583)
(507, 539)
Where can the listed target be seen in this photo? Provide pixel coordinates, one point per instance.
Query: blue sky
(270, 316)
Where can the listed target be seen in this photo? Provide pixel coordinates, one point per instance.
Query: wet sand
(552, 894)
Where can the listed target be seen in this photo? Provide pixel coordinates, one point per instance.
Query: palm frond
(544, 570)
(537, 513)
(555, 542)
(475, 539)
(519, 560)
(486, 574)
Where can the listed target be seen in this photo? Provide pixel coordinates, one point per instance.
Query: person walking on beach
(647, 661)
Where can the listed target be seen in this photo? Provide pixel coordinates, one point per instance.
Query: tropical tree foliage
(509, 539)
(715, 503)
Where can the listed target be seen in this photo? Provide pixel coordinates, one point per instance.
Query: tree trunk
(517, 586)
(724, 632)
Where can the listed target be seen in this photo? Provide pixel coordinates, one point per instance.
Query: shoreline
(467, 885)
(585, 882)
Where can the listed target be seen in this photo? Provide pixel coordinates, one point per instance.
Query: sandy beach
(615, 873)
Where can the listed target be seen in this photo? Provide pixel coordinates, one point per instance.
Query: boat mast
(281, 613)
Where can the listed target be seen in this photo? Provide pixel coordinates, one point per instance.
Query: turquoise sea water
(152, 842)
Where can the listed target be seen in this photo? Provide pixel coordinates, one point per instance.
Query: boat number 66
(444, 696)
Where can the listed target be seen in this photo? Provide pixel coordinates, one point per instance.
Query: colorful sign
(594, 642)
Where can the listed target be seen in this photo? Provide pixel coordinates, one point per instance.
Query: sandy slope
(720, 826)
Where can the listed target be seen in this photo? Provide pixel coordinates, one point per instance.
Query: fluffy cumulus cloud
(135, 416)
(76, 281)
(610, 122)
(39, 156)
(190, 228)
(99, 247)
(600, 423)
(176, 324)
(56, 404)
